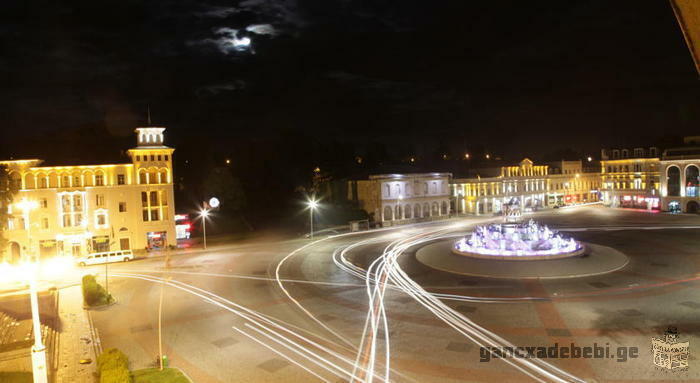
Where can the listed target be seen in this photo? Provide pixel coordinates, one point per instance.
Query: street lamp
(39, 371)
(203, 214)
(312, 204)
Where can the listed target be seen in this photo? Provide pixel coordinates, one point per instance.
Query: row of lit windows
(153, 157)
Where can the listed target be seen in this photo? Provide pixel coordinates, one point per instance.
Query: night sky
(409, 77)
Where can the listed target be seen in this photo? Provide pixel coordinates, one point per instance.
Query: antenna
(149, 115)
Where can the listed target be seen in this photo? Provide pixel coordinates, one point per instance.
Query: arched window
(29, 181)
(443, 210)
(397, 213)
(673, 175)
(388, 216)
(691, 181)
(416, 211)
(407, 211)
(426, 208)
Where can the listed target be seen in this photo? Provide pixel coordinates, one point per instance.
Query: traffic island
(597, 260)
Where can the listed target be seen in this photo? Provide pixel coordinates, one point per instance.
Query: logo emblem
(668, 352)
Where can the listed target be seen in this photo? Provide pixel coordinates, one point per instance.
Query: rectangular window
(44, 183)
(144, 199)
(99, 180)
(145, 215)
(121, 180)
(44, 223)
(159, 158)
(66, 220)
(153, 157)
(76, 181)
(44, 203)
(138, 158)
(154, 198)
(166, 157)
(66, 181)
(154, 215)
(122, 207)
(101, 220)
(77, 201)
(99, 200)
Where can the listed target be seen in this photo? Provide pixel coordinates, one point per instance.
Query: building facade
(533, 186)
(76, 210)
(630, 178)
(680, 175)
(391, 199)
(525, 182)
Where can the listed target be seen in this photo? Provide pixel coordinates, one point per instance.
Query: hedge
(113, 366)
(93, 293)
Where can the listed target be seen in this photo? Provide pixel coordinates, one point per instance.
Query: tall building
(391, 199)
(76, 210)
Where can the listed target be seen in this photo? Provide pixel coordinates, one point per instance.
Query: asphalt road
(303, 311)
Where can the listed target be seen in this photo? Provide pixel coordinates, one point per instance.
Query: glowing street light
(466, 156)
(203, 214)
(312, 205)
(589, 158)
(39, 371)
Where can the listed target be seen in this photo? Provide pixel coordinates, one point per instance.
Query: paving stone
(458, 347)
(599, 285)
(631, 312)
(224, 342)
(145, 327)
(558, 332)
(690, 304)
(273, 365)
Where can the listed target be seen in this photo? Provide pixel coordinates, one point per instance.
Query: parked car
(105, 257)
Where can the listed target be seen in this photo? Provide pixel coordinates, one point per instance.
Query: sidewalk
(75, 340)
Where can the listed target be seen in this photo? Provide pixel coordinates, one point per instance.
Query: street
(302, 310)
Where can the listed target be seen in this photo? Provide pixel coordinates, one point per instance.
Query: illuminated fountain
(516, 240)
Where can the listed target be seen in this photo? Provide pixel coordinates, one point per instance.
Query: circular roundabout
(595, 260)
(520, 250)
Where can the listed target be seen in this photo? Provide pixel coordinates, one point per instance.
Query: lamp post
(204, 213)
(313, 204)
(39, 371)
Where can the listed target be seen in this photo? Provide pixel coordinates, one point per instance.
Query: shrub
(93, 293)
(113, 366)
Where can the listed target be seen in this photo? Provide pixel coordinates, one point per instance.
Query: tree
(7, 192)
(220, 183)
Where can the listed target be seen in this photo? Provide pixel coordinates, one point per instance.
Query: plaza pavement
(624, 308)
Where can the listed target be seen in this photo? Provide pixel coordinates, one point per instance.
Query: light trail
(315, 353)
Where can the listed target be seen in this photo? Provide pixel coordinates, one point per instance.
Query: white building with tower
(75, 210)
